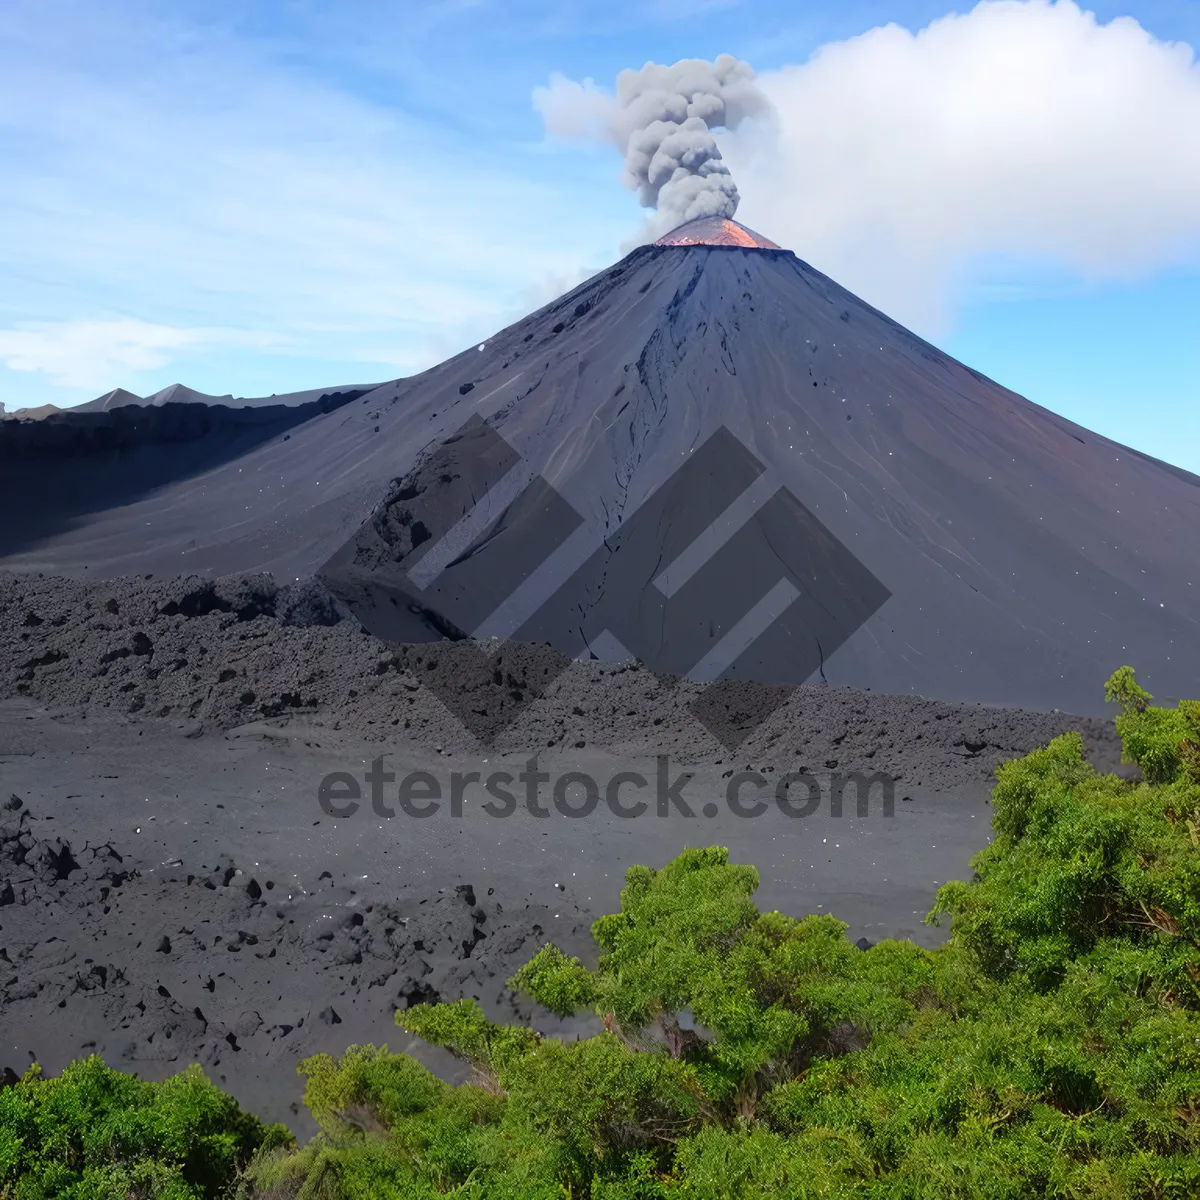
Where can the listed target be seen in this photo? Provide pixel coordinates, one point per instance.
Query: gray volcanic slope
(934, 533)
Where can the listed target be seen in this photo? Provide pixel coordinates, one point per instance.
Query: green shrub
(96, 1133)
(1052, 1048)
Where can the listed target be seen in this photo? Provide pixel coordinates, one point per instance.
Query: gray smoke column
(664, 123)
(662, 119)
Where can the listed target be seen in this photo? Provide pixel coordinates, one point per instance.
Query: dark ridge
(74, 464)
(119, 430)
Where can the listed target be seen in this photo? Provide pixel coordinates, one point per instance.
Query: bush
(1051, 1048)
(95, 1133)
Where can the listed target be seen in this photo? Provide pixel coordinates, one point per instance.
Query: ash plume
(662, 119)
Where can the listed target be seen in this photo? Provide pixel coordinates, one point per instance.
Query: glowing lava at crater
(716, 231)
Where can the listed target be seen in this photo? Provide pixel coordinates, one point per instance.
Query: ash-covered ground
(171, 889)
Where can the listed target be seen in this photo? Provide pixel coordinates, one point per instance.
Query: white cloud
(554, 284)
(572, 110)
(90, 354)
(194, 181)
(454, 337)
(1023, 128)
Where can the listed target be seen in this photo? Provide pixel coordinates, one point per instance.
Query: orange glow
(716, 231)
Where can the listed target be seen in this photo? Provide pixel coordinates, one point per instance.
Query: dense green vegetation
(1051, 1048)
(95, 1133)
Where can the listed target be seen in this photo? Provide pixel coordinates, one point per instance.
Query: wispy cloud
(190, 182)
(1023, 128)
(75, 354)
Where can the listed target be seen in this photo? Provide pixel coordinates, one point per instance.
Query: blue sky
(265, 196)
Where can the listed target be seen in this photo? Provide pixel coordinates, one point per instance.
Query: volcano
(716, 231)
(714, 459)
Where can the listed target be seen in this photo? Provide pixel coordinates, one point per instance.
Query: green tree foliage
(1051, 1048)
(96, 1134)
(1163, 741)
